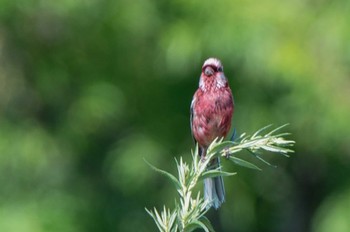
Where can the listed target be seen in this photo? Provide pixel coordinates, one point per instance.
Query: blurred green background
(89, 88)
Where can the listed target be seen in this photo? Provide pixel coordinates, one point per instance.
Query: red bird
(211, 113)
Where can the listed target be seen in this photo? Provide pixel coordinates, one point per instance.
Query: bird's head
(212, 66)
(212, 75)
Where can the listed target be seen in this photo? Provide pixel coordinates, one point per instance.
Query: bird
(211, 113)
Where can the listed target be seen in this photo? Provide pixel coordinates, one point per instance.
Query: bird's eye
(220, 69)
(208, 71)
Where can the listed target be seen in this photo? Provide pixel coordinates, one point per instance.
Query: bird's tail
(214, 191)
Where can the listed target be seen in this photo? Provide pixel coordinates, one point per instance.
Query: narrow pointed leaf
(221, 146)
(243, 163)
(195, 225)
(149, 212)
(159, 219)
(278, 128)
(196, 151)
(242, 135)
(282, 134)
(284, 151)
(215, 173)
(283, 142)
(167, 174)
(261, 159)
(231, 151)
(153, 215)
(207, 223)
(276, 149)
(260, 130)
(271, 148)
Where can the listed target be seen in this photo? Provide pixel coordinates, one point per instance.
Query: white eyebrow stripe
(213, 61)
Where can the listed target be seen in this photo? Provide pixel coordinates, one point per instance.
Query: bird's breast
(212, 116)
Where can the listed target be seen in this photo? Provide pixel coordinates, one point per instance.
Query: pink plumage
(211, 113)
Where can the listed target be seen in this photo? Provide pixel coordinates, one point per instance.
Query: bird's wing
(191, 116)
(200, 149)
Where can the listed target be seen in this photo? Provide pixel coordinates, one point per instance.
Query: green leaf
(278, 128)
(260, 130)
(195, 225)
(219, 147)
(276, 149)
(156, 217)
(191, 227)
(243, 163)
(214, 143)
(261, 159)
(215, 173)
(282, 134)
(207, 223)
(232, 151)
(167, 174)
(196, 151)
(243, 135)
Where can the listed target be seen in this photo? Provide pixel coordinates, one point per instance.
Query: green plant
(190, 209)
